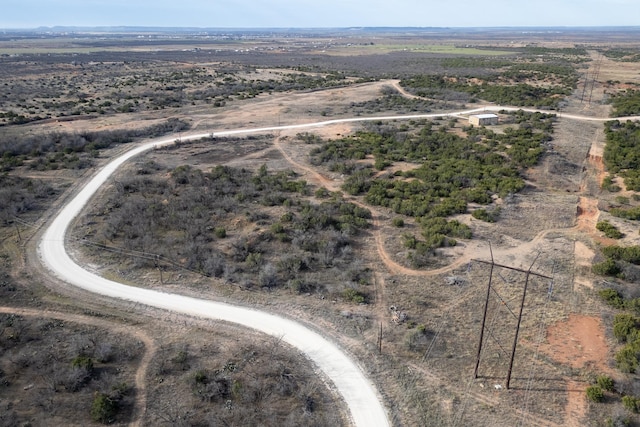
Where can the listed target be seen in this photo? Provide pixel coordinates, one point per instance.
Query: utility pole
(484, 316)
(18, 230)
(528, 274)
(515, 339)
(159, 269)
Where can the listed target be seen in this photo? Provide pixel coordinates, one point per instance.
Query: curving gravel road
(360, 395)
(365, 405)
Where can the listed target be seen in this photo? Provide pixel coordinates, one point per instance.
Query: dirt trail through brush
(140, 404)
(392, 266)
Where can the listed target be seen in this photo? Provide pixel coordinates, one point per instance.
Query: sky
(319, 13)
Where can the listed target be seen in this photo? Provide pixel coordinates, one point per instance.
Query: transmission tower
(527, 275)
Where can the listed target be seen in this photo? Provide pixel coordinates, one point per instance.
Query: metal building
(483, 119)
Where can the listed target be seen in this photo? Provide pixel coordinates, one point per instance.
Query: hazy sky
(319, 13)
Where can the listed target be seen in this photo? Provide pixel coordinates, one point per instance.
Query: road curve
(359, 393)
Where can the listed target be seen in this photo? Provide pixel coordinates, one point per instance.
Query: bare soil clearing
(578, 342)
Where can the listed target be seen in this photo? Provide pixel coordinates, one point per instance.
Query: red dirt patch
(595, 160)
(587, 214)
(578, 342)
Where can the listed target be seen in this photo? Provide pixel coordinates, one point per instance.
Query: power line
(596, 74)
(540, 336)
(527, 273)
(482, 349)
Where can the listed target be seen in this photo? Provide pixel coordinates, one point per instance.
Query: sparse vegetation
(511, 86)
(85, 386)
(622, 157)
(182, 219)
(454, 171)
(259, 383)
(197, 209)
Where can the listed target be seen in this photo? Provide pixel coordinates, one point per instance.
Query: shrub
(631, 403)
(268, 276)
(181, 359)
(104, 408)
(607, 267)
(322, 193)
(380, 163)
(220, 232)
(398, 222)
(607, 184)
(287, 217)
(612, 297)
(631, 213)
(417, 339)
(632, 304)
(623, 325)
(410, 241)
(595, 393)
(354, 296)
(622, 200)
(629, 254)
(627, 359)
(485, 215)
(605, 382)
(609, 230)
(300, 286)
(83, 362)
(482, 215)
(200, 377)
(276, 228)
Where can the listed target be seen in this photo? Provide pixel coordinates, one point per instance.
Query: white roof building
(483, 119)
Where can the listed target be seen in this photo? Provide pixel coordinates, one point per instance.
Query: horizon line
(293, 28)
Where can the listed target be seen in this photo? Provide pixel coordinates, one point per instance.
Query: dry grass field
(256, 220)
